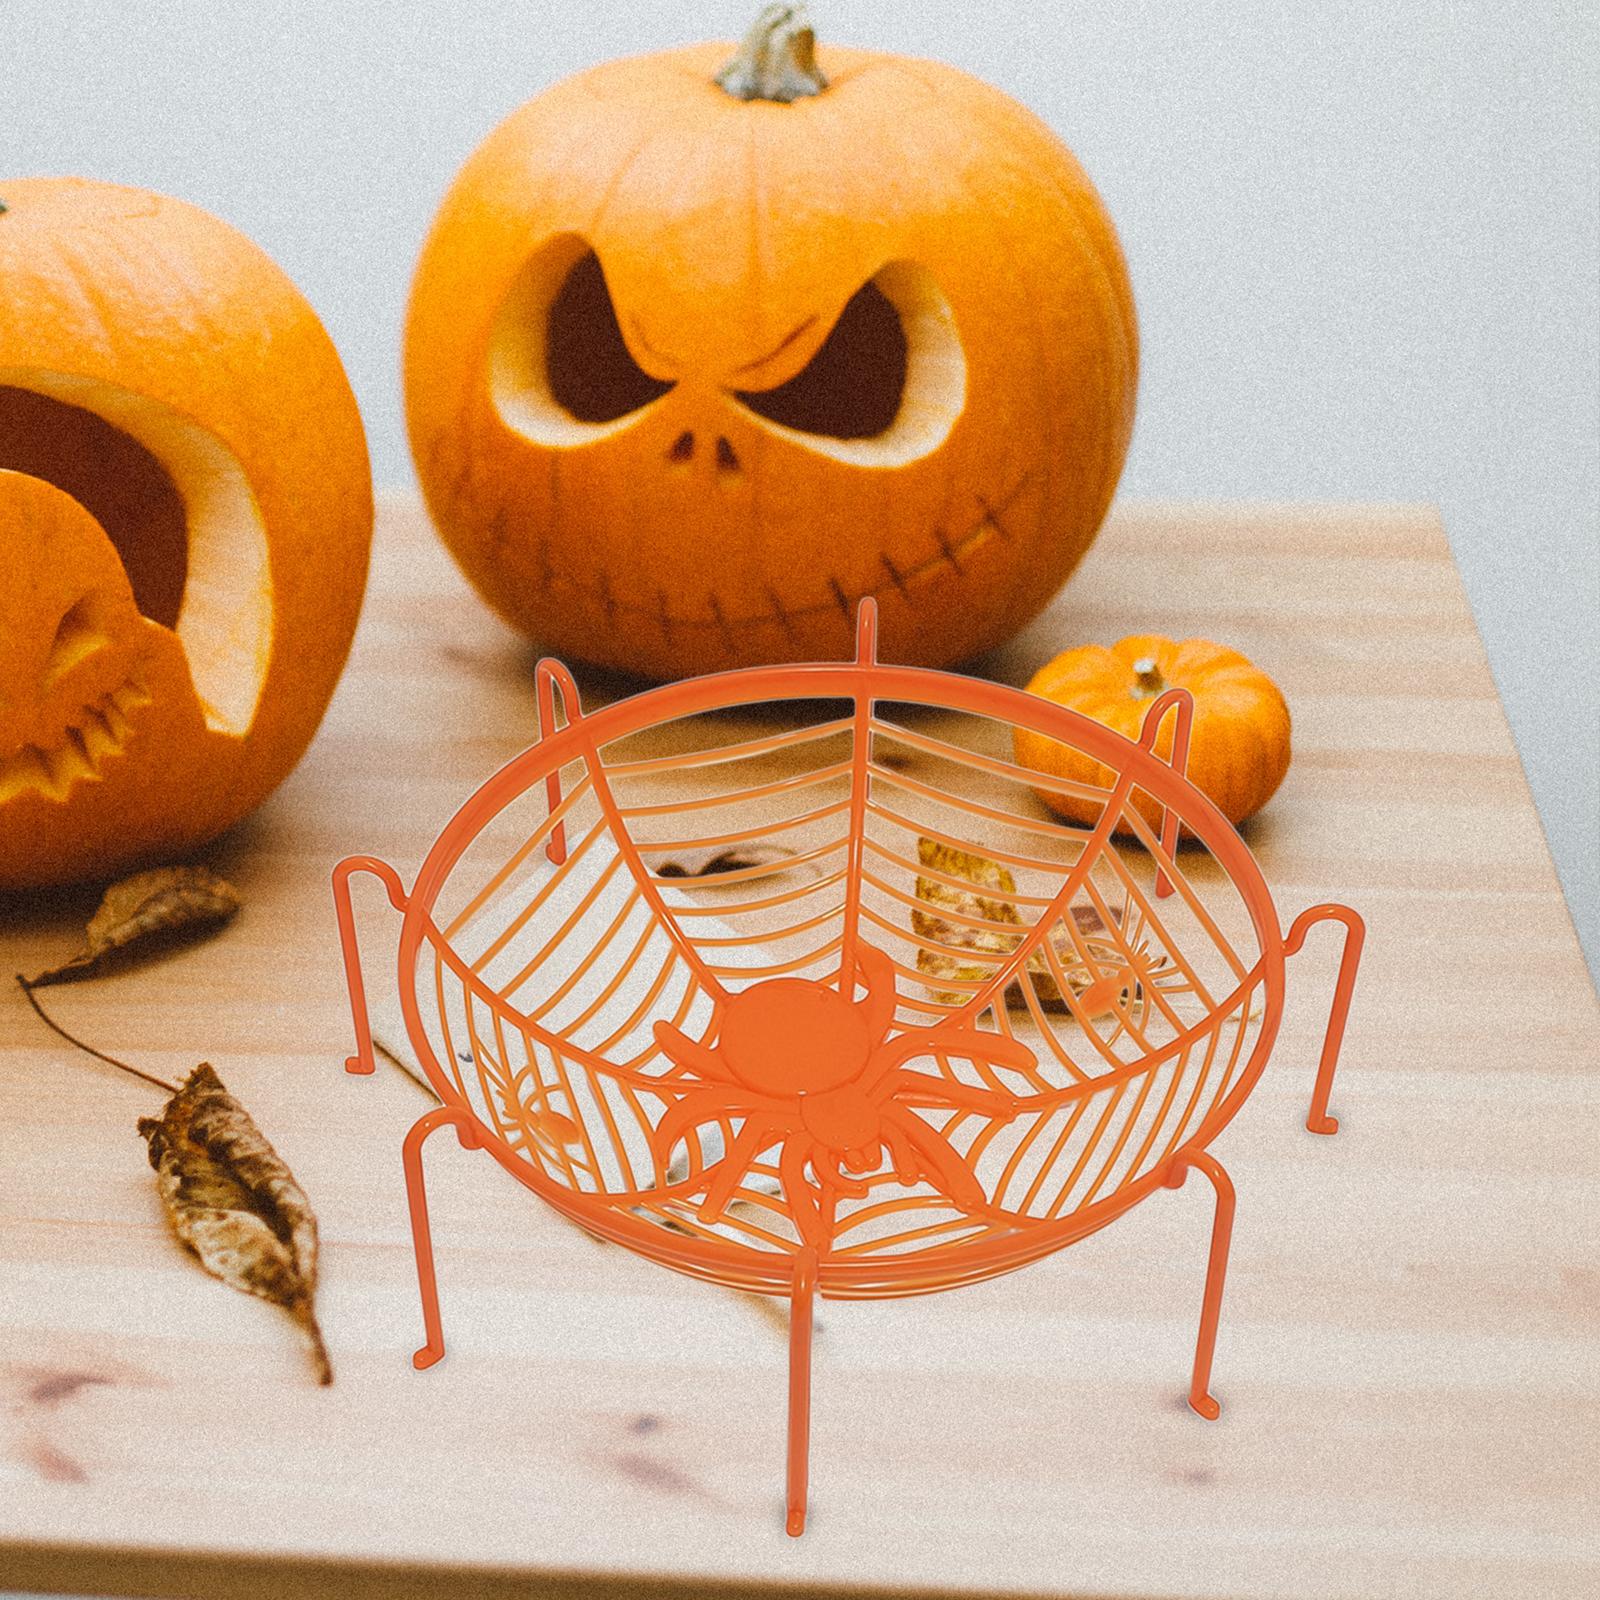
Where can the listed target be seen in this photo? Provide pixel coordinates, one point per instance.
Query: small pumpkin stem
(778, 59)
(1150, 683)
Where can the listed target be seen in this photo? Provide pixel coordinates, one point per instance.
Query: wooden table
(1409, 1362)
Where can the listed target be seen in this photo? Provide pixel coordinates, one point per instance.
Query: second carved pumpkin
(694, 362)
(185, 515)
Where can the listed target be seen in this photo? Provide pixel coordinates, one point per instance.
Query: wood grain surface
(1409, 1361)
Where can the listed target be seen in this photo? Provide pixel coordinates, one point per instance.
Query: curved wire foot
(805, 1284)
(361, 1062)
(421, 1235)
(1201, 1399)
(1355, 935)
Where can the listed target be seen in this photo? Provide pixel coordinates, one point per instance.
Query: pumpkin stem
(1150, 682)
(777, 60)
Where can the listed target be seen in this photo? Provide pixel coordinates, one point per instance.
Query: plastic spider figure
(808, 1066)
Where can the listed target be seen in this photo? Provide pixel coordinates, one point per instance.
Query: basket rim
(943, 1266)
(842, 681)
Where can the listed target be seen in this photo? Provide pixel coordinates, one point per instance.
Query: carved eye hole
(113, 477)
(851, 388)
(887, 384)
(560, 372)
(590, 371)
(177, 508)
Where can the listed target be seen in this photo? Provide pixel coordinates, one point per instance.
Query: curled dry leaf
(148, 906)
(992, 898)
(232, 1200)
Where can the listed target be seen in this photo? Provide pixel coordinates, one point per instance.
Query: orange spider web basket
(914, 1032)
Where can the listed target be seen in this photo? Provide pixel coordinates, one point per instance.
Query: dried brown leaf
(997, 905)
(144, 908)
(233, 1201)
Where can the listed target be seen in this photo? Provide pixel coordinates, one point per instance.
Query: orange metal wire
(918, 1033)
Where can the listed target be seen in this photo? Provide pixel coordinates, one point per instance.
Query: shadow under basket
(900, 1028)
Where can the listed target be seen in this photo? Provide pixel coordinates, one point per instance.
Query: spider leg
(802, 1198)
(755, 1136)
(1000, 1049)
(906, 1166)
(939, 1161)
(882, 996)
(837, 1178)
(923, 1089)
(827, 1209)
(694, 1054)
(699, 1106)
(982, 1044)
(978, 1044)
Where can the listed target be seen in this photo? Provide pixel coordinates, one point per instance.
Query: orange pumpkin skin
(694, 534)
(1238, 742)
(144, 710)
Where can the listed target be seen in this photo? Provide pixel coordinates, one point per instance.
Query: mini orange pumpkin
(185, 515)
(1238, 743)
(694, 363)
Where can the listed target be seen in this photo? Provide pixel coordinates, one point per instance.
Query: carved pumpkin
(185, 514)
(1238, 741)
(694, 364)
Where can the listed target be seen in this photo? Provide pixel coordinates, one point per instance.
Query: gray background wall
(1364, 237)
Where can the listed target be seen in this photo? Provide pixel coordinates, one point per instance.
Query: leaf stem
(88, 1049)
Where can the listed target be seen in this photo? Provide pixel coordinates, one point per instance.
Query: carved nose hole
(727, 457)
(78, 635)
(682, 448)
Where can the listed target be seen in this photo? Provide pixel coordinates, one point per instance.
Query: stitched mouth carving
(101, 732)
(950, 554)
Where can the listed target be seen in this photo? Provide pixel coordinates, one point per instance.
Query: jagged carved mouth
(100, 733)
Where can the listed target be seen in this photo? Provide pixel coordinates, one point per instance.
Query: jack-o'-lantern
(185, 516)
(694, 362)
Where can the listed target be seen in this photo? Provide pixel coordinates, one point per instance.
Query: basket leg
(1355, 935)
(1200, 1396)
(361, 1061)
(421, 1235)
(805, 1283)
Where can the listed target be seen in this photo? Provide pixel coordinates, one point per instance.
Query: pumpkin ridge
(827, 129)
(1042, 373)
(683, 136)
(591, 234)
(82, 283)
(1113, 265)
(1117, 314)
(1114, 314)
